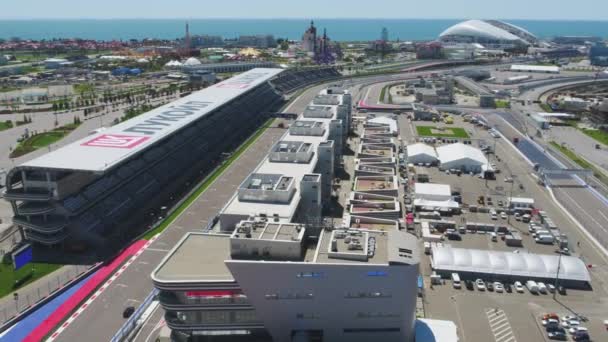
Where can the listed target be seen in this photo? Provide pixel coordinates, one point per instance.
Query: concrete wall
(329, 308)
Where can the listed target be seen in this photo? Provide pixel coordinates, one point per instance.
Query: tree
(54, 106)
(284, 45)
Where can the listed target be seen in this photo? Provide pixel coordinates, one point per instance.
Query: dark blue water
(338, 29)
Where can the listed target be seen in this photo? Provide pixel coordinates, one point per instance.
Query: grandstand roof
(489, 29)
(101, 151)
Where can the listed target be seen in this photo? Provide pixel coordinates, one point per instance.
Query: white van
(542, 288)
(532, 286)
(545, 239)
(456, 281)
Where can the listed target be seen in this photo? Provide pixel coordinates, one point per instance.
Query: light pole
(511, 195)
(559, 263)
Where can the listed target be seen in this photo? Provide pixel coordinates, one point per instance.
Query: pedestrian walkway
(500, 326)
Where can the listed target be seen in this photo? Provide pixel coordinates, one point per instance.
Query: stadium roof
(509, 264)
(489, 29)
(101, 151)
(479, 28)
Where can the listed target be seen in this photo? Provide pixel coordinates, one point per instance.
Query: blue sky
(509, 9)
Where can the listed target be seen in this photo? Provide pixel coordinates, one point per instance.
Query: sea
(337, 29)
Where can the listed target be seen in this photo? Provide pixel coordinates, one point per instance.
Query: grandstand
(294, 79)
(87, 190)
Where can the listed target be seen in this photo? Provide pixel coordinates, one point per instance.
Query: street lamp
(559, 263)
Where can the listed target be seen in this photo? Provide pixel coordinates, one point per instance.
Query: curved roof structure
(509, 264)
(421, 149)
(459, 151)
(491, 30)
(192, 61)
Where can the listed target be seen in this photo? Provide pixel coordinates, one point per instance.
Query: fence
(132, 323)
(30, 299)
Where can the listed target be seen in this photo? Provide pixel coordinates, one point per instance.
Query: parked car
(498, 287)
(551, 322)
(519, 287)
(578, 330)
(551, 288)
(490, 286)
(571, 323)
(508, 288)
(481, 286)
(549, 316)
(503, 215)
(557, 335)
(542, 288)
(469, 285)
(581, 337)
(561, 290)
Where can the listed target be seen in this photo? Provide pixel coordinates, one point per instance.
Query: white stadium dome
(192, 61)
(491, 32)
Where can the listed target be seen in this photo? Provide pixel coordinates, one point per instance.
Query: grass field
(4, 125)
(598, 135)
(42, 140)
(383, 93)
(546, 108)
(169, 219)
(502, 104)
(24, 276)
(451, 132)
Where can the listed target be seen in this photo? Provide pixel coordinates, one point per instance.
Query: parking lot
(505, 317)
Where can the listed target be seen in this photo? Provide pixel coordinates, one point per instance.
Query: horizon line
(291, 18)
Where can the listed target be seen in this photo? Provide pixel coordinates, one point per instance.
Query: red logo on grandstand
(116, 141)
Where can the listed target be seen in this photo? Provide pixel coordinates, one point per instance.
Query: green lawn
(41, 140)
(450, 132)
(598, 135)
(169, 219)
(382, 93)
(8, 275)
(546, 108)
(4, 125)
(502, 104)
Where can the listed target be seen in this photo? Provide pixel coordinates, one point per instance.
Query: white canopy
(509, 264)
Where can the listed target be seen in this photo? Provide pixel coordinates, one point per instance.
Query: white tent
(462, 157)
(529, 265)
(421, 154)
